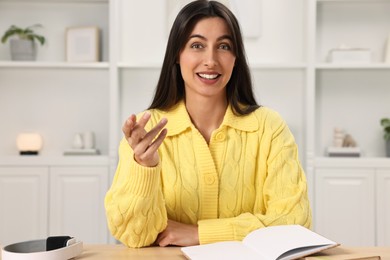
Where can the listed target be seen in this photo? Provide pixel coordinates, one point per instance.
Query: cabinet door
(383, 207)
(23, 203)
(77, 203)
(345, 205)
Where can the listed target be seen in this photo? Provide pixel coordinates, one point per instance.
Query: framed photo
(82, 44)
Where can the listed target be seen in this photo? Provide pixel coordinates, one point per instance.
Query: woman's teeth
(208, 76)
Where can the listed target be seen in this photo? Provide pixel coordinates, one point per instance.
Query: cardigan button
(209, 179)
(220, 136)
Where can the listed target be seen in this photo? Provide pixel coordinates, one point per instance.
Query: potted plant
(23, 42)
(385, 122)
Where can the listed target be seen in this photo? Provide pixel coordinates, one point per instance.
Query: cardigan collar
(179, 120)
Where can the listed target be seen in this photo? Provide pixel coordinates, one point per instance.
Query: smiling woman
(205, 162)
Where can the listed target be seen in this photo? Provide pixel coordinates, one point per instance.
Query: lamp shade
(29, 143)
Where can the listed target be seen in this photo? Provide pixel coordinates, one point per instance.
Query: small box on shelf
(83, 151)
(350, 55)
(343, 151)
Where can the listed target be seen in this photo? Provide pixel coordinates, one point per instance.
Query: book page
(274, 241)
(230, 250)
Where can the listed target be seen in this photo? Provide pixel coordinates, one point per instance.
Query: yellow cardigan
(247, 177)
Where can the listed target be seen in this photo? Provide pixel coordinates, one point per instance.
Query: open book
(269, 243)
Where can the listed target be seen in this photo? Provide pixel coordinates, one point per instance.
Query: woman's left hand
(178, 234)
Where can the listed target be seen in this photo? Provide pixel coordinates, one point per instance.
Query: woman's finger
(151, 150)
(146, 141)
(129, 125)
(144, 119)
(153, 147)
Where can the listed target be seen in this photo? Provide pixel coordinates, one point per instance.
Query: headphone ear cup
(56, 242)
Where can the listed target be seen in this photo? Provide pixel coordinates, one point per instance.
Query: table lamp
(29, 143)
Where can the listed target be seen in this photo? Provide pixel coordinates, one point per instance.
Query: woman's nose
(210, 59)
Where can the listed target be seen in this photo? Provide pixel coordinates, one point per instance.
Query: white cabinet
(23, 203)
(77, 202)
(53, 197)
(352, 200)
(383, 207)
(345, 205)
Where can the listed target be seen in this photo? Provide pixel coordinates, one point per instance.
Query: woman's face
(207, 59)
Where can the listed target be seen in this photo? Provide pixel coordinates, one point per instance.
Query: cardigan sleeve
(134, 203)
(283, 193)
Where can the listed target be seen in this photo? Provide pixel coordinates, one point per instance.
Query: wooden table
(118, 252)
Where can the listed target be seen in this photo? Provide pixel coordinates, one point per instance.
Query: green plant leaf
(40, 39)
(26, 33)
(13, 30)
(385, 122)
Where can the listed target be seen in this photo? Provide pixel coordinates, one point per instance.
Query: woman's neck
(207, 115)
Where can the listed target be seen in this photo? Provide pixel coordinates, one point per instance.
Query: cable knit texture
(247, 177)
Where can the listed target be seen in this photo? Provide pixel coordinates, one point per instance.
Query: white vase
(78, 142)
(23, 49)
(89, 140)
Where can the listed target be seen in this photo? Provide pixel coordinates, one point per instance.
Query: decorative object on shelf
(29, 143)
(78, 142)
(23, 47)
(83, 144)
(385, 122)
(349, 141)
(89, 140)
(344, 151)
(346, 54)
(344, 145)
(82, 44)
(338, 137)
(387, 51)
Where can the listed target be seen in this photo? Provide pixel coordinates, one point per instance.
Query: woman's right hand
(144, 144)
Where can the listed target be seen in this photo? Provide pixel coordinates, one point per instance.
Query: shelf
(53, 65)
(38, 160)
(125, 65)
(370, 66)
(358, 162)
(353, 1)
(278, 66)
(55, 1)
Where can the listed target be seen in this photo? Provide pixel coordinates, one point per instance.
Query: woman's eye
(225, 47)
(196, 46)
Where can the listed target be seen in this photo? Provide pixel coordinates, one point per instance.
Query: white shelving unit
(56, 99)
(289, 67)
(347, 205)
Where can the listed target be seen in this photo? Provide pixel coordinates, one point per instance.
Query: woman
(205, 163)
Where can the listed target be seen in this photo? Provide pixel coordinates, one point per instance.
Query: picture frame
(82, 44)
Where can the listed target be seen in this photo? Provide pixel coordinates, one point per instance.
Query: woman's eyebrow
(223, 37)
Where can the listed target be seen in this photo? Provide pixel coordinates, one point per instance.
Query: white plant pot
(23, 49)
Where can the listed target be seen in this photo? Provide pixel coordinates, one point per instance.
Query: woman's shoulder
(266, 114)
(269, 120)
